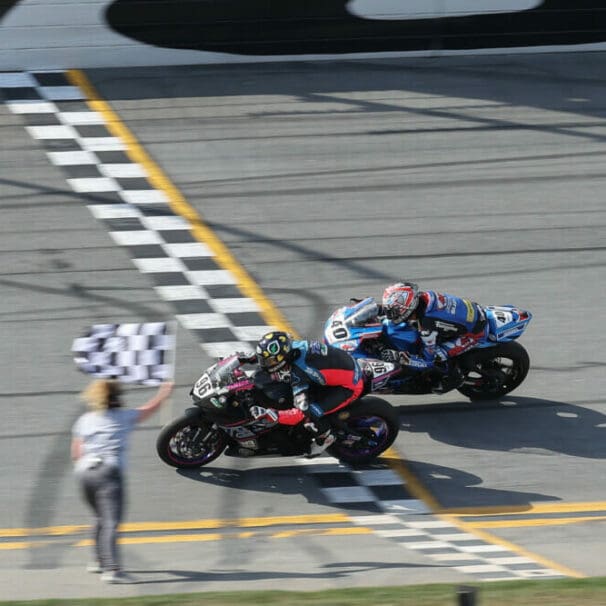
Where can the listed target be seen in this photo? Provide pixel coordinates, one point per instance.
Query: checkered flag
(130, 353)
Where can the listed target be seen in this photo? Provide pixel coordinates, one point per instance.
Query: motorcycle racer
(322, 378)
(448, 327)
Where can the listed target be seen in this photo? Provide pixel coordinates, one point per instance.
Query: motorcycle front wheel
(190, 441)
(367, 428)
(495, 371)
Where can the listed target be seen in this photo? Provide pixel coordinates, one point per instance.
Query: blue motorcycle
(493, 368)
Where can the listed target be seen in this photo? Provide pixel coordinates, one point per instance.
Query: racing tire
(376, 421)
(189, 442)
(500, 369)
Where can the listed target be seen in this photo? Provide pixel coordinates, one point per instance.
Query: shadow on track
(519, 424)
(339, 570)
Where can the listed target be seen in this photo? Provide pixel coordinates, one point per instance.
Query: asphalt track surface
(481, 177)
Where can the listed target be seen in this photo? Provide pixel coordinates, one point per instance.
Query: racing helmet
(400, 300)
(274, 351)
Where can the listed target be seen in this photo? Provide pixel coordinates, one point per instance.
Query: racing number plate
(203, 386)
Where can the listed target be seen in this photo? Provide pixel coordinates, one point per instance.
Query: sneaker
(94, 567)
(113, 576)
(320, 444)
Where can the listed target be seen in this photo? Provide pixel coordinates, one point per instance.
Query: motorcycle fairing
(505, 323)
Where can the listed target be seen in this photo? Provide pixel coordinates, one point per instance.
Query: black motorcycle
(220, 421)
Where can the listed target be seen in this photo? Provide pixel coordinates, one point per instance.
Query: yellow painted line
(48, 530)
(326, 532)
(490, 538)
(240, 522)
(531, 509)
(237, 522)
(534, 522)
(335, 518)
(14, 545)
(418, 490)
(397, 463)
(173, 538)
(205, 538)
(160, 181)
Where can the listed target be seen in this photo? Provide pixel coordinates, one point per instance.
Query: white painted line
(181, 293)
(135, 238)
(481, 548)
(427, 545)
(71, 158)
(113, 211)
(348, 494)
(200, 321)
(102, 143)
(185, 250)
(401, 532)
(31, 107)
(159, 265)
(125, 170)
(457, 536)
(477, 568)
(52, 132)
(166, 223)
(211, 276)
(251, 333)
(93, 185)
(80, 118)
(235, 304)
(143, 196)
(431, 524)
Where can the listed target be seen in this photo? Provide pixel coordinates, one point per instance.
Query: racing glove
(406, 360)
(395, 356)
(258, 413)
(247, 357)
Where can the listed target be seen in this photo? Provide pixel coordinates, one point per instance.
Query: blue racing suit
(446, 326)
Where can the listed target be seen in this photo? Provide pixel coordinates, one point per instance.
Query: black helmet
(274, 351)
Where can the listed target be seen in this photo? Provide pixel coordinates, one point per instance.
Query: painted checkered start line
(214, 299)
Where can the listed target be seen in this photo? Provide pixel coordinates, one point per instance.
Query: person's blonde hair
(102, 394)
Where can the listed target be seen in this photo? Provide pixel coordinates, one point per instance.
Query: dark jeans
(103, 491)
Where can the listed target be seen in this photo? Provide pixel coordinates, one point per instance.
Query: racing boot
(450, 378)
(320, 443)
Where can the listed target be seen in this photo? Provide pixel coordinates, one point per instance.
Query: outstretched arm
(76, 448)
(148, 409)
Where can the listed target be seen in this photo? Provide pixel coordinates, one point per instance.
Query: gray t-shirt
(105, 435)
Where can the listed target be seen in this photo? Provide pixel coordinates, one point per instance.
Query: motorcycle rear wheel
(189, 442)
(500, 370)
(376, 422)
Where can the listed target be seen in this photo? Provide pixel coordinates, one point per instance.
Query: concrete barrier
(49, 34)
